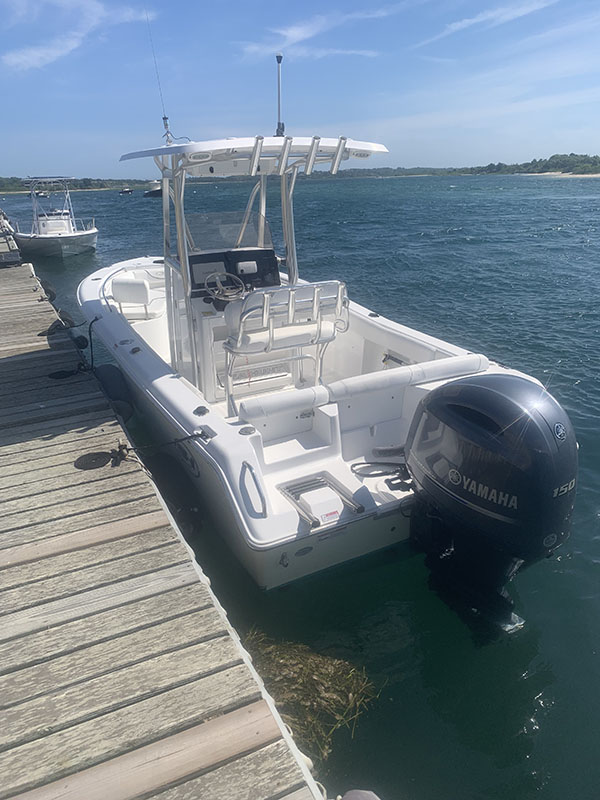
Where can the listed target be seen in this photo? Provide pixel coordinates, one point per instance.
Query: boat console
(256, 267)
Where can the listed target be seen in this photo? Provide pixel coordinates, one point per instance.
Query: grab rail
(103, 286)
(246, 465)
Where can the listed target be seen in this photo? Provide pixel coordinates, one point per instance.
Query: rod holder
(255, 157)
(339, 154)
(284, 155)
(312, 154)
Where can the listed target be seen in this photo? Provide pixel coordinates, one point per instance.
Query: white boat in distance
(155, 189)
(55, 232)
(317, 430)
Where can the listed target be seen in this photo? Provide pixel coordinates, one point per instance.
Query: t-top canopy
(261, 154)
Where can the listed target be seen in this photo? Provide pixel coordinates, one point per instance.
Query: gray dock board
(60, 464)
(111, 572)
(115, 653)
(89, 494)
(80, 746)
(63, 567)
(119, 673)
(68, 481)
(270, 766)
(88, 537)
(149, 768)
(38, 617)
(74, 635)
(38, 527)
(56, 451)
(22, 439)
(128, 686)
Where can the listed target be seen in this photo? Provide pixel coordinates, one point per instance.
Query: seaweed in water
(315, 694)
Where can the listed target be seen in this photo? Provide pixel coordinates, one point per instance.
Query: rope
(91, 341)
(377, 469)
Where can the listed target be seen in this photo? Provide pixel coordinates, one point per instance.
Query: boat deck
(120, 676)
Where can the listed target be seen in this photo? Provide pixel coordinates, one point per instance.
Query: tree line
(22, 184)
(571, 163)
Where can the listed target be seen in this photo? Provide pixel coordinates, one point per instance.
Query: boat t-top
(55, 231)
(315, 429)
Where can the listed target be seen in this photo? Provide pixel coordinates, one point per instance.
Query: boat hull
(286, 561)
(58, 245)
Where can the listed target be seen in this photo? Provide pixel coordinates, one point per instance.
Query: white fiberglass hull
(58, 245)
(244, 475)
(281, 563)
(275, 547)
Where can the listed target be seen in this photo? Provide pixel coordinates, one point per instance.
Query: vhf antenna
(167, 135)
(280, 126)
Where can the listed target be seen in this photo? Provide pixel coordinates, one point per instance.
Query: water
(507, 266)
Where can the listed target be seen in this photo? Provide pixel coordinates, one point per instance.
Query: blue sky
(440, 82)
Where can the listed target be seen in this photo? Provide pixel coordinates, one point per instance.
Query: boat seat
(441, 369)
(254, 409)
(375, 409)
(292, 318)
(135, 298)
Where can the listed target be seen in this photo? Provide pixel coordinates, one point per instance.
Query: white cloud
(289, 39)
(572, 29)
(490, 18)
(91, 15)
(323, 52)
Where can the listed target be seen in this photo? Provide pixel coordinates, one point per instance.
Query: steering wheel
(215, 287)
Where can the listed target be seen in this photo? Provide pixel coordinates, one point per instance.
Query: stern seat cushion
(295, 400)
(315, 396)
(441, 369)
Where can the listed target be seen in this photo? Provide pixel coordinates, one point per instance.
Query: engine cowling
(493, 458)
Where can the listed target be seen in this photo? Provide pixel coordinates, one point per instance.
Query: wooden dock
(120, 676)
(9, 252)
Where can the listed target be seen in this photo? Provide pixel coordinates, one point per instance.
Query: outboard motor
(494, 461)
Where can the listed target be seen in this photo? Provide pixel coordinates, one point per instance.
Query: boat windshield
(226, 230)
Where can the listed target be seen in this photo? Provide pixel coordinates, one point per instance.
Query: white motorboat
(155, 190)
(56, 231)
(317, 430)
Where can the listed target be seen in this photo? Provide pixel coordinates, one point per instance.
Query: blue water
(504, 265)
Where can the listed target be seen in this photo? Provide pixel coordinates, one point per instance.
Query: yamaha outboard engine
(494, 461)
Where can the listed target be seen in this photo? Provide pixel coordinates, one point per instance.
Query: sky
(439, 82)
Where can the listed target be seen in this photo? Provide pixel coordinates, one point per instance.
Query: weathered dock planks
(120, 676)
(9, 252)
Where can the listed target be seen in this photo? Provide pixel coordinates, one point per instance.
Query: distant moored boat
(56, 231)
(155, 190)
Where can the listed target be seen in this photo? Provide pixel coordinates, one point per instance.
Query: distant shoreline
(457, 175)
(94, 189)
(560, 174)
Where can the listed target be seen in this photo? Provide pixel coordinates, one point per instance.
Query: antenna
(280, 126)
(168, 136)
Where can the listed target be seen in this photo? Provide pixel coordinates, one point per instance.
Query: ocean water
(504, 265)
